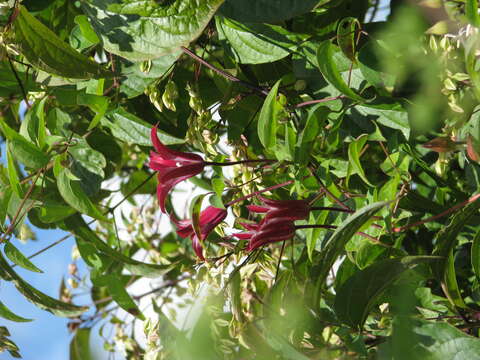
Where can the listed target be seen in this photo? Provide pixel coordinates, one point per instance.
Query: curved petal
(183, 172)
(158, 161)
(197, 247)
(169, 154)
(280, 204)
(257, 208)
(289, 214)
(184, 227)
(244, 235)
(251, 226)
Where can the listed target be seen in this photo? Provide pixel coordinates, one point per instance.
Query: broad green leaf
(131, 129)
(13, 175)
(347, 36)
(18, 258)
(80, 345)
(74, 196)
(7, 314)
(282, 346)
(51, 212)
(268, 118)
(354, 150)
(329, 69)
(273, 11)
(5, 195)
(475, 255)
(471, 11)
(393, 116)
(117, 290)
(316, 117)
(144, 30)
(357, 296)
(45, 50)
(98, 104)
(256, 43)
(80, 229)
(38, 298)
(33, 124)
(313, 235)
(9, 86)
(336, 245)
(88, 165)
(440, 341)
(23, 150)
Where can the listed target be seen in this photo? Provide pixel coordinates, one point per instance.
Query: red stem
(229, 163)
(443, 213)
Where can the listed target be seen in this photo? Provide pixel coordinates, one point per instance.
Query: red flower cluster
(278, 223)
(172, 167)
(209, 219)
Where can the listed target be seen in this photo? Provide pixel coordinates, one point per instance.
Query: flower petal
(169, 154)
(257, 208)
(197, 247)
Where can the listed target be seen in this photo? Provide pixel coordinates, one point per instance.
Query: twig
(327, 99)
(24, 93)
(223, 73)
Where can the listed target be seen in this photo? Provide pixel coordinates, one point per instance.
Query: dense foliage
(337, 157)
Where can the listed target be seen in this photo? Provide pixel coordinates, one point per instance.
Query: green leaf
(13, 176)
(131, 129)
(86, 29)
(363, 289)
(7, 314)
(256, 43)
(80, 345)
(336, 245)
(51, 212)
(74, 196)
(475, 255)
(144, 30)
(18, 258)
(392, 115)
(447, 237)
(471, 11)
(45, 50)
(316, 117)
(268, 118)
(451, 285)
(329, 69)
(117, 290)
(354, 151)
(346, 36)
(313, 235)
(260, 11)
(195, 209)
(23, 150)
(440, 341)
(38, 298)
(80, 229)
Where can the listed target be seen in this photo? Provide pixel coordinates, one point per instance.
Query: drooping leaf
(261, 11)
(347, 36)
(354, 151)
(9, 315)
(144, 30)
(471, 11)
(45, 50)
(268, 118)
(80, 229)
(361, 292)
(18, 258)
(256, 43)
(130, 128)
(74, 195)
(38, 298)
(80, 345)
(328, 67)
(117, 290)
(336, 245)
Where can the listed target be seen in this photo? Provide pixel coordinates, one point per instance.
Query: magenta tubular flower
(287, 209)
(209, 219)
(172, 167)
(268, 231)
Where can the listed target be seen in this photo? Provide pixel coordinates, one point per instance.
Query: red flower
(209, 219)
(287, 209)
(172, 166)
(268, 231)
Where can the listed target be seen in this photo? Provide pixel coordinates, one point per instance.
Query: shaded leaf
(45, 50)
(144, 30)
(362, 290)
(80, 345)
